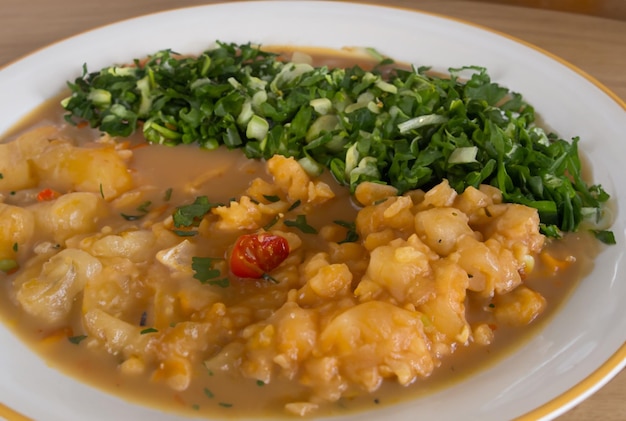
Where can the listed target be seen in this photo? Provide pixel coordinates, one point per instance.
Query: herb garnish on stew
(407, 128)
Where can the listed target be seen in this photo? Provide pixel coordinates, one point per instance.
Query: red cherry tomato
(254, 255)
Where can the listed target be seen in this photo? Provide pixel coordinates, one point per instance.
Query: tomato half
(254, 255)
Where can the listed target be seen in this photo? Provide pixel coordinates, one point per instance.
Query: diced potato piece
(519, 307)
(368, 193)
(17, 226)
(377, 340)
(16, 158)
(178, 258)
(447, 310)
(117, 336)
(442, 195)
(46, 291)
(175, 372)
(483, 334)
(134, 245)
(286, 339)
(69, 215)
(440, 228)
(330, 282)
(118, 289)
(292, 179)
(395, 213)
(98, 170)
(518, 224)
(246, 214)
(402, 269)
(480, 263)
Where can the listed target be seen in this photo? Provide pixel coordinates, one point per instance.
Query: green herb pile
(405, 127)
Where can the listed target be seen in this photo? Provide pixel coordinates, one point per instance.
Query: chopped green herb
(190, 215)
(168, 194)
(351, 235)
(148, 330)
(301, 224)
(77, 339)
(407, 127)
(1, 176)
(270, 224)
(222, 282)
(144, 206)
(185, 233)
(294, 205)
(226, 405)
(607, 237)
(101, 191)
(260, 383)
(272, 199)
(15, 247)
(142, 209)
(208, 393)
(269, 277)
(195, 407)
(203, 268)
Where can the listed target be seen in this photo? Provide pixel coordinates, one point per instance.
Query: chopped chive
(208, 393)
(77, 339)
(270, 224)
(301, 224)
(294, 205)
(148, 330)
(168, 195)
(271, 198)
(269, 277)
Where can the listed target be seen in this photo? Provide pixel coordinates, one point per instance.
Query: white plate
(576, 353)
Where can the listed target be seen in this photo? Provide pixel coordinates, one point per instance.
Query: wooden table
(596, 45)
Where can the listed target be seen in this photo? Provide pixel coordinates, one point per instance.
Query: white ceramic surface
(578, 342)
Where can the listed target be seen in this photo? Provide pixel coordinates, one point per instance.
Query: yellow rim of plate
(602, 373)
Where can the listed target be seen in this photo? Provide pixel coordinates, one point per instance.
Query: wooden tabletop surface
(595, 45)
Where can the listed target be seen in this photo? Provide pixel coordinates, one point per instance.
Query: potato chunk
(377, 340)
(47, 291)
(69, 215)
(16, 157)
(98, 170)
(17, 226)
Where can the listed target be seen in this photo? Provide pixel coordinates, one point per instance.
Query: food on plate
(377, 239)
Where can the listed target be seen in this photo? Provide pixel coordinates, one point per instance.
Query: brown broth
(221, 175)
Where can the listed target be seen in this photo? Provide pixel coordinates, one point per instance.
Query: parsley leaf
(190, 215)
